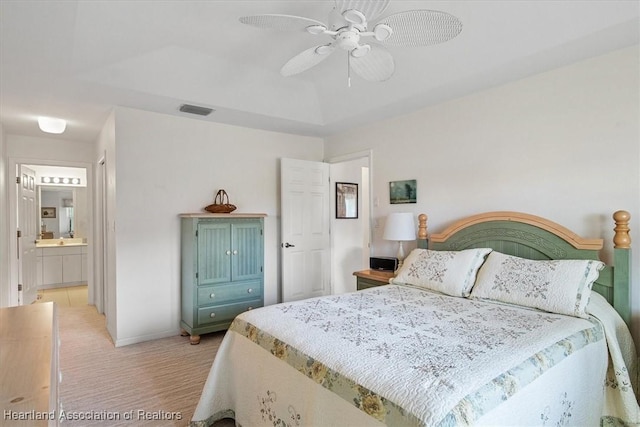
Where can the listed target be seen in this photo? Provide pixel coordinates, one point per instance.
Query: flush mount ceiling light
(51, 125)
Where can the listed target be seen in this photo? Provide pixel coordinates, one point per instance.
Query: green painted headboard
(533, 237)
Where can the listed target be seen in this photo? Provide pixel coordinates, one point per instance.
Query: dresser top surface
(222, 215)
(28, 361)
(26, 321)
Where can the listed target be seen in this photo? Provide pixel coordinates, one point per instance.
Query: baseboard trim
(143, 338)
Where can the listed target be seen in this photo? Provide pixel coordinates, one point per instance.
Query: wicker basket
(221, 204)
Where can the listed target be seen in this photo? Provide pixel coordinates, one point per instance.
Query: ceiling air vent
(194, 109)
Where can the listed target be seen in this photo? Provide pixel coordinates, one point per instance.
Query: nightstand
(370, 278)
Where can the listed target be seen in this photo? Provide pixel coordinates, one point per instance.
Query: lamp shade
(399, 227)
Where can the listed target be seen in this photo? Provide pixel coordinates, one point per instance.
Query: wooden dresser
(222, 270)
(29, 368)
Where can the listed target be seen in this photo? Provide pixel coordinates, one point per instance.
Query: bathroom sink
(50, 243)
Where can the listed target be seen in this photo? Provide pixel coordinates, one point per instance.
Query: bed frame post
(622, 265)
(423, 243)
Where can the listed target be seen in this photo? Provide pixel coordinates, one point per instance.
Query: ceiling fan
(350, 28)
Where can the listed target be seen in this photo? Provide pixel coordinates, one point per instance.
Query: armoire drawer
(227, 293)
(227, 312)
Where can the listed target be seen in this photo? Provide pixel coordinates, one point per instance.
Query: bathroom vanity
(61, 262)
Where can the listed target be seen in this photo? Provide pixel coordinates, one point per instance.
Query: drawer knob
(235, 252)
(228, 252)
(249, 290)
(212, 296)
(212, 315)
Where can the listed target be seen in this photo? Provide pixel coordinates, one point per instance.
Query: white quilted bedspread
(430, 358)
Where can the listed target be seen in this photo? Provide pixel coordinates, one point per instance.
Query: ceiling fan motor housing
(348, 40)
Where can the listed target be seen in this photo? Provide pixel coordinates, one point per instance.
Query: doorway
(350, 237)
(68, 214)
(342, 246)
(61, 246)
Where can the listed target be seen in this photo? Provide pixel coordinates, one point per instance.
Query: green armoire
(222, 270)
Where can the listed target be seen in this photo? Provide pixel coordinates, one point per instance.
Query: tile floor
(73, 296)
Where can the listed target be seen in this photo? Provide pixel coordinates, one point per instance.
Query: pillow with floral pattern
(449, 272)
(557, 286)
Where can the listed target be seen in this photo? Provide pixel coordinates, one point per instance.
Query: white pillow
(557, 286)
(450, 272)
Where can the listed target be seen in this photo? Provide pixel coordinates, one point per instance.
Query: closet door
(214, 253)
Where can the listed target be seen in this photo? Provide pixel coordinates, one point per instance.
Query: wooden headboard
(533, 237)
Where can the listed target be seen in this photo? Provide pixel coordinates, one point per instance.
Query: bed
(504, 318)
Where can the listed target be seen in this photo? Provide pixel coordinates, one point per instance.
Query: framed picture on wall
(403, 191)
(47, 213)
(346, 200)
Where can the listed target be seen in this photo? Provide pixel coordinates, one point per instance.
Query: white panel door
(28, 226)
(306, 243)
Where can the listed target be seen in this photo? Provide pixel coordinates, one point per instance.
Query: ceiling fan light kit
(381, 32)
(325, 49)
(360, 51)
(349, 22)
(316, 29)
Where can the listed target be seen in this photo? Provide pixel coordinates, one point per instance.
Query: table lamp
(400, 227)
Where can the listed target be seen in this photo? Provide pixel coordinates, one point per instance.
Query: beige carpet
(156, 383)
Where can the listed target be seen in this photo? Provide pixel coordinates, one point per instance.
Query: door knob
(288, 245)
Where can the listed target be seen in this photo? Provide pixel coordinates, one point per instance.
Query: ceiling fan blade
(376, 66)
(421, 28)
(306, 59)
(370, 8)
(280, 22)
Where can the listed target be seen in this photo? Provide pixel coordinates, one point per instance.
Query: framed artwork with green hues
(403, 191)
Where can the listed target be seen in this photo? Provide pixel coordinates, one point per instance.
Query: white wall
(167, 165)
(49, 151)
(562, 145)
(4, 224)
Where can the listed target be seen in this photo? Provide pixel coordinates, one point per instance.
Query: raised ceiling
(77, 59)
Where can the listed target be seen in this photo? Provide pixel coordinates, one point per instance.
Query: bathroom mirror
(62, 212)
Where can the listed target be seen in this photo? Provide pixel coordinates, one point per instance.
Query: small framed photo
(48, 212)
(346, 200)
(403, 191)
